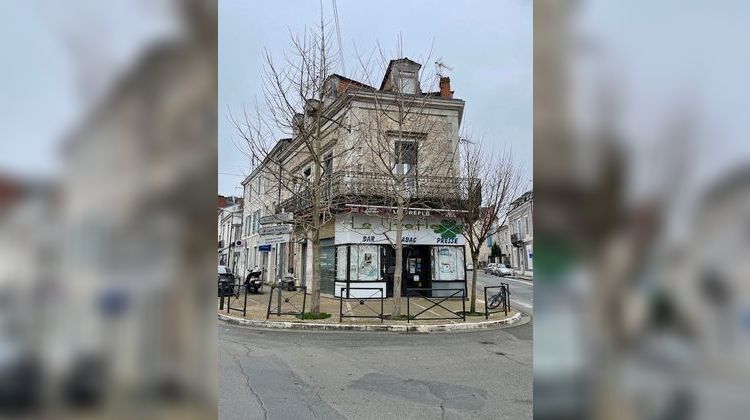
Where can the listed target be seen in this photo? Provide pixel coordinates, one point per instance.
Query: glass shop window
(365, 263)
(449, 263)
(341, 262)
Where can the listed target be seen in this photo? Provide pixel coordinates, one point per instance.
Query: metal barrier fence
(362, 302)
(230, 291)
(291, 299)
(501, 299)
(416, 292)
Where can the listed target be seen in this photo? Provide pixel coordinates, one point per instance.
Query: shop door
(416, 269)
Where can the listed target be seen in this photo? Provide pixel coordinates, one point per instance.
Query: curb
(291, 325)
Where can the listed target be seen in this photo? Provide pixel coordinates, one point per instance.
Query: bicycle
(496, 300)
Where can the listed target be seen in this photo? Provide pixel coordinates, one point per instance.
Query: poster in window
(369, 262)
(446, 263)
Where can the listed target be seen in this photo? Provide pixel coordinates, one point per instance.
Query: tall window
(256, 220)
(406, 161)
(307, 175)
(248, 224)
(328, 173)
(259, 184)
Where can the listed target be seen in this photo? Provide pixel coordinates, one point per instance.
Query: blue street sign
(264, 248)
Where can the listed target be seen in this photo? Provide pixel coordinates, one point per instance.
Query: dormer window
(402, 75)
(330, 91)
(407, 82)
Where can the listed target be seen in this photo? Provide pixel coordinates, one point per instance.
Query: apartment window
(328, 164)
(247, 224)
(526, 221)
(256, 220)
(259, 184)
(328, 173)
(407, 82)
(406, 161)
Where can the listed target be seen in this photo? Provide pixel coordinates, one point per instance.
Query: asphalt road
(482, 374)
(521, 291)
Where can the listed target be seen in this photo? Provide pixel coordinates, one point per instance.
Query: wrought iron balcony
(382, 189)
(516, 240)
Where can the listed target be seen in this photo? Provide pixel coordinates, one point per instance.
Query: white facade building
(520, 226)
(230, 226)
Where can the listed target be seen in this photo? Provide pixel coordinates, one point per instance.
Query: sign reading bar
(276, 218)
(274, 230)
(275, 239)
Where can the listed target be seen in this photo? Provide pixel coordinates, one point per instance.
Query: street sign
(275, 239)
(275, 230)
(264, 248)
(276, 218)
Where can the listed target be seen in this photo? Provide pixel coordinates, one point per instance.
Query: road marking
(520, 281)
(525, 305)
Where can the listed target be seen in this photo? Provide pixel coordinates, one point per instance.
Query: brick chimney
(445, 87)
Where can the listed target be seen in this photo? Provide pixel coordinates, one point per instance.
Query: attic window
(406, 82)
(330, 91)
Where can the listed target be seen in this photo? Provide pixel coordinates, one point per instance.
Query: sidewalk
(525, 275)
(359, 311)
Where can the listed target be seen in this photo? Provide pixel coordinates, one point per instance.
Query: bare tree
(408, 149)
(493, 182)
(299, 167)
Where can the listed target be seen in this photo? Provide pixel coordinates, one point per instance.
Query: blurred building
(138, 183)
(502, 239)
(230, 231)
(520, 227)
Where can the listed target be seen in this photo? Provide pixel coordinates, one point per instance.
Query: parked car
(489, 268)
(469, 266)
(502, 271)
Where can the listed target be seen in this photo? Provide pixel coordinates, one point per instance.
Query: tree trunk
(397, 273)
(474, 262)
(316, 205)
(315, 283)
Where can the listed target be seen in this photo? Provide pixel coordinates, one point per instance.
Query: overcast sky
(41, 80)
(487, 43)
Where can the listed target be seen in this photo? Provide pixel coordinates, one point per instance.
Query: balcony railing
(377, 188)
(516, 240)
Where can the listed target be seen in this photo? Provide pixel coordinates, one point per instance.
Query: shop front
(433, 253)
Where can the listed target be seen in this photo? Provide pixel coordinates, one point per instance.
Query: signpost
(276, 218)
(275, 230)
(274, 239)
(278, 233)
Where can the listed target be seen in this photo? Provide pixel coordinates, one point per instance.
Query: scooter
(253, 284)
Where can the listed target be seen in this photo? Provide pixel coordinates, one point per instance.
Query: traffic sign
(275, 230)
(275, 239)
(276, 218)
